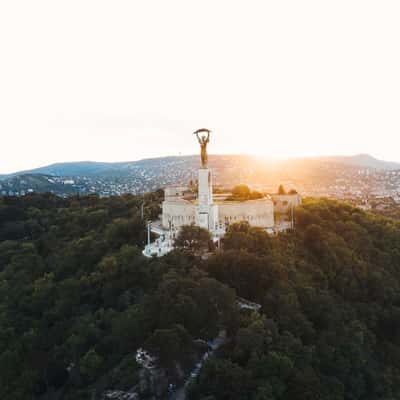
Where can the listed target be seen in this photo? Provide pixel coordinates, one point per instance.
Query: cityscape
(368, 187)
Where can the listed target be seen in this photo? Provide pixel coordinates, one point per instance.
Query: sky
(125, 80)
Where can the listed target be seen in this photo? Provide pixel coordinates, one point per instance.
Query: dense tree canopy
(193, 238)
(330, 296)
(243, 192)
(77, 298)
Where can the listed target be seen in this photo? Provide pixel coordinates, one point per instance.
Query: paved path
(180, 394)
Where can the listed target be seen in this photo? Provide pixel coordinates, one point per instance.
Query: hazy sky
(123, 80)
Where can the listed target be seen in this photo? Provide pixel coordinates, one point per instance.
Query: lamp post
(292, 217)
(142, 208)
(148, 232)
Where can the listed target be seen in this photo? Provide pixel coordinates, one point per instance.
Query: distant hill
(364, 160)
(72, 168)
(88, 168)
(26, 183)
(313, 176)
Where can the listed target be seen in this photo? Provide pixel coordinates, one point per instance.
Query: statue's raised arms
(203, 140)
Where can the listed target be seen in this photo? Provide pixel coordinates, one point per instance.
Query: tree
(241, 192)
(224, 380)
(281, 190)
(193, 238)
(313, 238)
(169, 345)
(90, 365)
(254, 195)
(241, 236)
(305, 385)
(77, 294)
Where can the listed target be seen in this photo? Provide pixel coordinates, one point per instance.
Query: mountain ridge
(364, 160)
(312, 176)
(98, 167)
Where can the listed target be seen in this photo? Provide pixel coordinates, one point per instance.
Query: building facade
(180, 208)
(283, 203)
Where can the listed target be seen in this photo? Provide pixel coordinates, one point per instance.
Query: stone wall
(284, 202)
(179, 212)
(259, 213)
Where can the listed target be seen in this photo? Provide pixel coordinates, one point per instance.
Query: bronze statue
(203, 140)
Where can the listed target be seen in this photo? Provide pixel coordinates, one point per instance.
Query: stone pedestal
(207, 211)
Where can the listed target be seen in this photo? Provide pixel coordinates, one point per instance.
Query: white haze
(123, 80)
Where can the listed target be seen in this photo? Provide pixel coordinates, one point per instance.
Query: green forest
(78, 298)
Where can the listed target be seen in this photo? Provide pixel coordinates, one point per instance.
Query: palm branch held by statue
(203, 141)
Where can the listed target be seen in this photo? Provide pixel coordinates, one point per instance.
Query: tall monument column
(207, 211)
(205, 187)
(205, 199)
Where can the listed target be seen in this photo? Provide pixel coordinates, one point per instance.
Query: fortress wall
(284, 202)
(179, 212)
(259, 213)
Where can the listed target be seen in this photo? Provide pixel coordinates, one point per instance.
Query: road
(180, 394)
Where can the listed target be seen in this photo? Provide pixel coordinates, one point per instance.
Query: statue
(203, 140)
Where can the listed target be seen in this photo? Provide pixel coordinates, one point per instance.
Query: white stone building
(182, 207)
(283, 203)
